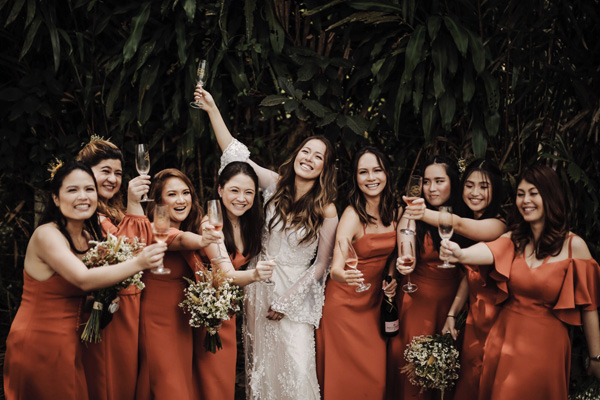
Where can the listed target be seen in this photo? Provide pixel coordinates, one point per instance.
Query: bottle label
(392, 326)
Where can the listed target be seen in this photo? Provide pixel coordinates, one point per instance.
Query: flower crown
(54, 167)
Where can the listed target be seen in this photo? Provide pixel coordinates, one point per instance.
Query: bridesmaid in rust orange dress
(43, 356)
(548, 280)
(242, 229)
(424, 312)
(351, 351)
(111, 366)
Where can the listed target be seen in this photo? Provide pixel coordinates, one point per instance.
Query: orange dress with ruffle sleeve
(111, 366)
(351, 352)
(166, 337)
(423, 312)
(216, 372)
(527, 353)
(43, 352)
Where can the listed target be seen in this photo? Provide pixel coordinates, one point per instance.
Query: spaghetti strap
(364, 229)
(571, 236)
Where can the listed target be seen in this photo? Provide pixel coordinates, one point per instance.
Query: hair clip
(54, 167)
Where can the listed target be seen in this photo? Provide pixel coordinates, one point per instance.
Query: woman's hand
(594, 369)
(449, 327)
(151, 256)
(263, 270)
(210, 235)
(353, 277)
(204, 98)
(404, 269)
(274, 315)
(389, 289)
(415, 207)
(138, 186)
(450, 251)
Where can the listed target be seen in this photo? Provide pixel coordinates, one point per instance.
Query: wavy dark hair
(52, 212)
(388, 206)
(555, 229)
(194, 220)
(454, 200)
(308, 211)
(491, 173)
(93, 154)
(251, 222)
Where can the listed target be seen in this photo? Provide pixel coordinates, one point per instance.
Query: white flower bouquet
(210, 301)
(111, 251)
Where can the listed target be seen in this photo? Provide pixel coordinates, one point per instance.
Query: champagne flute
(201, 74)
(352, 262)
(413, 189)
(142, 165)
(445, 229)
(407, 257)
(215, 218)
(272, 250)
(161, 225)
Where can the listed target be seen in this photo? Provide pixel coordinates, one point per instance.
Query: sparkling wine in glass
(142, 164)
(445, 229)
(201, 75)
(352, 262)
(215, 218)
(161, 224)
(407, 257)
(272, 250)
(413, 189)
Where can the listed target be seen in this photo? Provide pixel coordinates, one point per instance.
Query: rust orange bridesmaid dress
(351, 352)
(111, 366)
(483, 311)
(423, 312)
(528, 352)
(43, 352)
(216, 372)
(166, 337)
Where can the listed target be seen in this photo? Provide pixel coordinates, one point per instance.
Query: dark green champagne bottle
(390, 323)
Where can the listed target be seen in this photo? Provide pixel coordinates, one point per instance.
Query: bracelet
(452, 316)
(595, 358)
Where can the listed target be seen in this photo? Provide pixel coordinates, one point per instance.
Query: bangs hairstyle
(555, 229)
(388, 206)
(93, 154)
(52, 212)
(492, 175)
(453, 201)
(307, 212)
(251, 222)
(194, 219)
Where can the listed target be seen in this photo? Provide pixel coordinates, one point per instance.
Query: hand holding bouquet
(111, 251)
(210, 301)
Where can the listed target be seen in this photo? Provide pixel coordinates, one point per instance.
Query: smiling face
(477, 193)
(370, 176)
(176, 195)
(529, 202)
(436, 185)
(237, 195)
(77, 198)
(108, 174)
(309, 161)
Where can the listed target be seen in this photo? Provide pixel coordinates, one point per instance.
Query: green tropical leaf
(315, 107)
(458, 34)
(491, 90)
(447, 106)
(133, 41)
(189, 6)
(417, 95)
(477, 52)
(14, 12)
(468, 84)
(492, 123)
(434, 24)
(357, 124)
(276, 32)
(30, 36)
(429, 117)
(479, 141)
(414, 51)
(249, 7)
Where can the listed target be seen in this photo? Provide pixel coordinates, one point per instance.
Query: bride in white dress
(280, 319)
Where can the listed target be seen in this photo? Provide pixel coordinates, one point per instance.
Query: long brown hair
(194, 219)
(92, 154)
(308, 211)
(555, 229)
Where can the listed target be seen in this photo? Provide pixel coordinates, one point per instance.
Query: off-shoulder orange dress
(43, 353)
(215, 373)
(528, 353)
(111, 366)
(423, 312)
(166, 337)
(483, 311)
(351, 352)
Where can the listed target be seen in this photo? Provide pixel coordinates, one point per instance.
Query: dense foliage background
(515, 81)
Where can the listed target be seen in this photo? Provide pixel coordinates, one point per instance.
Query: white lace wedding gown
(280, 355)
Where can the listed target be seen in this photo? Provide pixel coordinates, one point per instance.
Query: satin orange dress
(215, 373)
(351, 352)
(483, 311)
(166, 337)
(111, 366)
(423, 312)
(528, 352)
(43, 352)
